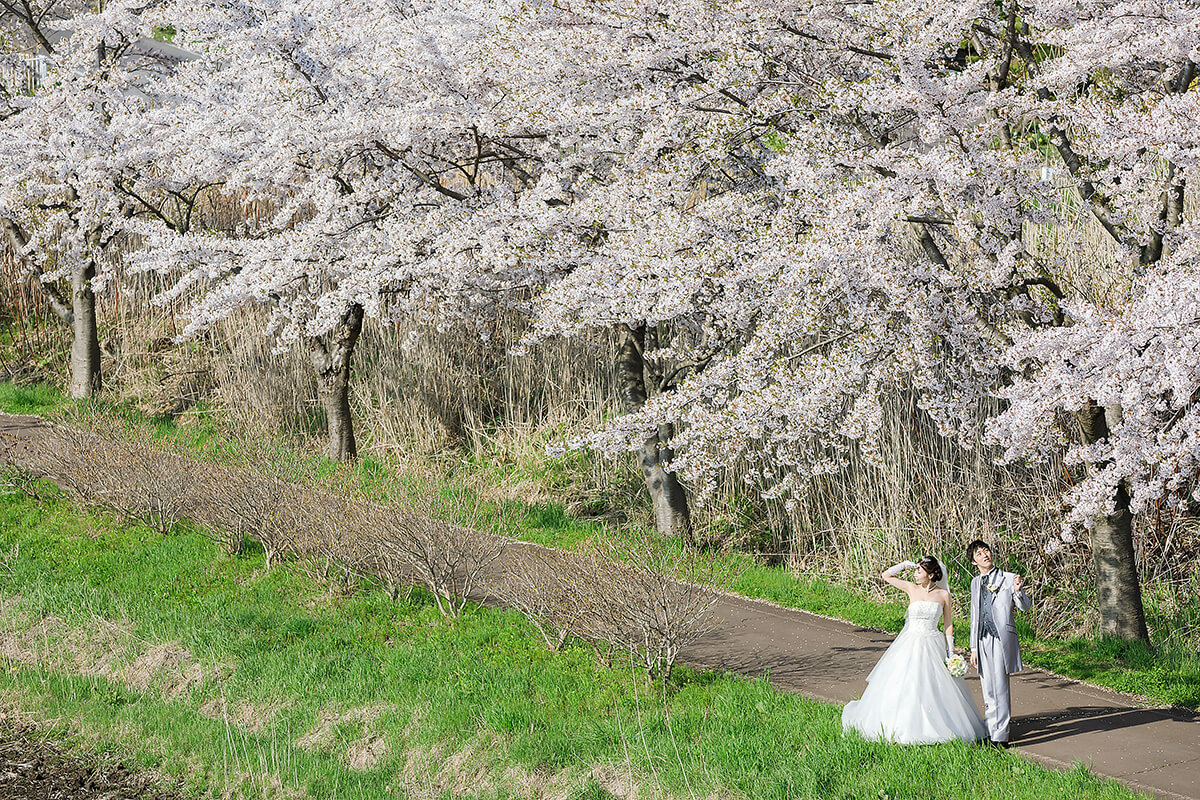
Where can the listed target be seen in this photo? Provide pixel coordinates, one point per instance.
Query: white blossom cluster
(806, 206)
(74, 153)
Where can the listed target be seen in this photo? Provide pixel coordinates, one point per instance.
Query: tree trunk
(667, 494)
(332, 364)
(1118, 593)
(79, 313)
(85, 341)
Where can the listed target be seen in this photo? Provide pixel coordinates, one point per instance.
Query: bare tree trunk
(332, 364)
(1118, 593)
(79, 313)
(85, 341)
(667, 494)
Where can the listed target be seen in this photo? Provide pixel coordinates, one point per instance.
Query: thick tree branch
(424, 177)
(880, 54)
(31, 21)
(18, 242)
(1087, 189)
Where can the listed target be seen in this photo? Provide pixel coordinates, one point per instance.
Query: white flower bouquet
(956, 665)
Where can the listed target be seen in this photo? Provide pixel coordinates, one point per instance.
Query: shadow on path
(1032, 729)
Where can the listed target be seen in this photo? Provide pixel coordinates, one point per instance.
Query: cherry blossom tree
(370, 130)
(1120, 106)
(658, 239)
(787, 212)
(436, 162)
(907, 146)
(74, 165)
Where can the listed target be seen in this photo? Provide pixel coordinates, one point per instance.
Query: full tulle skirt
(912, 699)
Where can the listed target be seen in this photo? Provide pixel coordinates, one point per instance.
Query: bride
(911, 697)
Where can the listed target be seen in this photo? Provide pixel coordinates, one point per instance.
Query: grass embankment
(231, 680)
(1168, 674)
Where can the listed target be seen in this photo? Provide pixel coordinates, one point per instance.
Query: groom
(995, 651)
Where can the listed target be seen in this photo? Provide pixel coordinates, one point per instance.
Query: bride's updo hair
(932, 568)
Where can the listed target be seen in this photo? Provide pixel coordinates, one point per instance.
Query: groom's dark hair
(973, 546)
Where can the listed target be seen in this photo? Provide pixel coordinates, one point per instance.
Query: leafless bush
(53, 455)
(236, 504)
(324, 526)
(365, 550)
(550, 588)
(77, 460)
(650, 597)
(108, 470)
(448, 559)
(287, 519)
(640, 594)
(15, 477)
(157, 488)
(269, 500)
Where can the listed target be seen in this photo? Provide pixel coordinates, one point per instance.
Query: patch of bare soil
(34, 769)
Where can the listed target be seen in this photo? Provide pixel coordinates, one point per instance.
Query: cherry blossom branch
(30, 20)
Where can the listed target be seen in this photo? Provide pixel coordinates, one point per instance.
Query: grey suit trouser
(993, 678)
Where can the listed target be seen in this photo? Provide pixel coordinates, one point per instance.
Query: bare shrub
(155, 487)
(271, 501)
(104, 465)
(15, 478)
(289, 520)
(126, 477)
(550, 588)
(639, 594)
(64, 456)
(237, 504)
(365, 551)
(448, 559)
(278, 534)
(324, 525)
(650, 596)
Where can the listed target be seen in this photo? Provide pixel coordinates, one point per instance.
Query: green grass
(1168, 674)
(40, 399)
(458, 705)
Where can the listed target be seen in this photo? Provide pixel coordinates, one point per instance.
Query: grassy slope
(1170, 674)
(458, 706)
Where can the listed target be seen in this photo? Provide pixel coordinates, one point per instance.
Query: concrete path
(1056, 721)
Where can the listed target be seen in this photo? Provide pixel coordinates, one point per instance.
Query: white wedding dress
(911, 698)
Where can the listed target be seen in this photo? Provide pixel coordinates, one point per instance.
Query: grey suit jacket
(1004, 600)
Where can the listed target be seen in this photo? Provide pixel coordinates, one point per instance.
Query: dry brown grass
(103, 648)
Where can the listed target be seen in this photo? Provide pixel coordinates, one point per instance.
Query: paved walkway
(1056, 721)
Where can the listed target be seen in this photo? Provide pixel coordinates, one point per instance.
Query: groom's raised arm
(1022, 601)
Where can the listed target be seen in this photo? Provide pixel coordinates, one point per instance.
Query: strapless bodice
(923, 616)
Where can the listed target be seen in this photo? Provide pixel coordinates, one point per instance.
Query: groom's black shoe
(994, 743)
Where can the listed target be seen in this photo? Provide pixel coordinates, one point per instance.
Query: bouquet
(956, 665)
